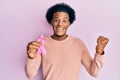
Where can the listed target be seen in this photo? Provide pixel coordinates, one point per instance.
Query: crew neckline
(57, 41)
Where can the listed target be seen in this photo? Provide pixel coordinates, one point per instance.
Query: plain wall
(22, 21)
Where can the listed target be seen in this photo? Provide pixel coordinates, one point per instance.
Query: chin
(60, 35)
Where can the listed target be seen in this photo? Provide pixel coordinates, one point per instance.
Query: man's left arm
(93, 66)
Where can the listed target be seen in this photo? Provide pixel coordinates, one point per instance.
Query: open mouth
(59, 29)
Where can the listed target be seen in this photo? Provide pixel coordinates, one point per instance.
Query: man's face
(60, 23)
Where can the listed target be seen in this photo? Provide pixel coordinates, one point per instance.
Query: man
(65, 53)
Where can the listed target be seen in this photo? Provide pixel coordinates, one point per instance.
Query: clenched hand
(101, 43)
(32, 49)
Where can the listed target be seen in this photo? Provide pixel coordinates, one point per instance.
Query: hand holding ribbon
(41, 49)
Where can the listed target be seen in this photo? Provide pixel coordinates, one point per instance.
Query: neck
(59, 38)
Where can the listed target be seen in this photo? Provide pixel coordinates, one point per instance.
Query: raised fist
(101, 43)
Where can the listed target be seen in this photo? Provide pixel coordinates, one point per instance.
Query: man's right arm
(32, 66)
(33, 60)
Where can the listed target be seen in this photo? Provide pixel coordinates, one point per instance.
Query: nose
(60, 23)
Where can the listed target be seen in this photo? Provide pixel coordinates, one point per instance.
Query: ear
(69, 24)
(51, 22)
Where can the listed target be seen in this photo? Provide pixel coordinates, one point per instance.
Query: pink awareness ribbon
(42, 49)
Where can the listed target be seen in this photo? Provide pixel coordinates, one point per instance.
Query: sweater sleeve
(94, 65)
(32, 66)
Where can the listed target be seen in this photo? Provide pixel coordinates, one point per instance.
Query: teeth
(60, 28)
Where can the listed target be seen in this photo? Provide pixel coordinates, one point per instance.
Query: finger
(29, 43)
(99, 40)
(33, 46)
(32, 50)
(105, 41)
(101, 37)
(36, 43)
(32, 55)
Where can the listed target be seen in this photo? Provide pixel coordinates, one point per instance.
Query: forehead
(60, 14)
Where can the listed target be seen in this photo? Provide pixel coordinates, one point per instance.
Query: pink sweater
(63, 60)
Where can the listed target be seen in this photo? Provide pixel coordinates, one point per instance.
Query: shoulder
(79, 41)
(76, 39)
(47, 38)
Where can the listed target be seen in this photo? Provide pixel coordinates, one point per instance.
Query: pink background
(22, 21)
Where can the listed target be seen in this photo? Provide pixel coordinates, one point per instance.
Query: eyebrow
(57, 17)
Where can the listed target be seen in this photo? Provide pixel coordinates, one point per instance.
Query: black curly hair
(60, 7)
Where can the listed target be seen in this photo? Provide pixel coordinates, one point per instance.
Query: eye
(55, 20)
(65, 20)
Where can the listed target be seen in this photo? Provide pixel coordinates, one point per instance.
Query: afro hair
(60, 7)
